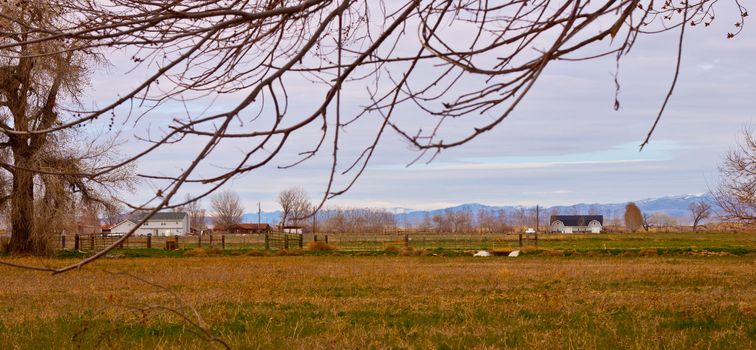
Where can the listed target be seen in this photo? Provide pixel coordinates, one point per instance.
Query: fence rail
(281, 241)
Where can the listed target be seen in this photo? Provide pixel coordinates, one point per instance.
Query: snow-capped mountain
(675, 206)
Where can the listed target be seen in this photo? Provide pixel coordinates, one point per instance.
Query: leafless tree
(661, 219)
(358, 220)
(453, 221)
(426, 225)
(736, 193)
(49, 170)
(227, 209)
(112, 213)
(197, 214)
(700, 211)
(646, 221)
(295, 205)
(406, 55)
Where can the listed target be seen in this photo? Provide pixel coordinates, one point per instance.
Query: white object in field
(514, 253)
(530, 230)
(482, 253)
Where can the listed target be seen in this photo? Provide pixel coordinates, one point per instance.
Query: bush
(196, 252)
(413, 252)
(392, 248)
(553, 253)
(204, 252)
(320, 246)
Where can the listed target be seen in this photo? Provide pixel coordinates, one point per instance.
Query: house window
(162, 224)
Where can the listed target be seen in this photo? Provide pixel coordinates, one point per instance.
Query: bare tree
(227, 209)
(197, 214)
(700, 211)
(49, 170)
(400, 53)
(633, 217)
(646, 221)
(662, 219)
(294, 205)
(736, 193)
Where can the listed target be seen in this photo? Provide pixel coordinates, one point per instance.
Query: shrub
(392, 248)
(649, 252)
(553, 253)
(320, 246)
(196, 252)
(412, 252)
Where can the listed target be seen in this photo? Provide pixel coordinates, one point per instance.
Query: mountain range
(674, 206)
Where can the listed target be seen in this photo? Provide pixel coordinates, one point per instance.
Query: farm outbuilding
(576, 223)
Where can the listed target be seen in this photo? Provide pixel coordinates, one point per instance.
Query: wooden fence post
(267, 241)
(77, 241)
(315, 237)
(286, 241)
(301, 241)
(223, 242)
(520, 239)
(62, 242)
(406, 241)
(149, 240)
(91, 242)
(199, 240)
(211, 241)
(326, 239)
(536, 239)
(177, 241)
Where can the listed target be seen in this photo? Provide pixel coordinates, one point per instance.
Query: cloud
(564, 144)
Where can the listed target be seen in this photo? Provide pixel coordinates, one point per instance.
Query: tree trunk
(22, 213)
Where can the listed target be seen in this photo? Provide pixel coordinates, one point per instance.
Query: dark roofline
(162, 215)
(576, 220)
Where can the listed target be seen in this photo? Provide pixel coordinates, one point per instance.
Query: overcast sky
(564, 145)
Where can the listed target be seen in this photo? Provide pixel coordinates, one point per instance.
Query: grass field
(346, 301)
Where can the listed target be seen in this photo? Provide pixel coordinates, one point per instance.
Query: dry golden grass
(320, 246)
(320, 302)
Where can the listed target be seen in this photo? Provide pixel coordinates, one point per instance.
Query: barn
(160, 224)
(577, 223)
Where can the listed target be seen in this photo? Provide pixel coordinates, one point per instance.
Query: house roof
(162, 216)
(252, 226)
(245, 226)
(577, 220)
(121, 223)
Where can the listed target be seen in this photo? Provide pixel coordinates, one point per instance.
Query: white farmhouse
(160, 224)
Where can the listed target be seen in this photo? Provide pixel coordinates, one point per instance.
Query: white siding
(155, 227)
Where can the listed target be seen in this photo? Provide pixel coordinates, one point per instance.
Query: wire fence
(283, 241)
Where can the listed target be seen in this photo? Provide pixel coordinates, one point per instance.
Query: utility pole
(258, 218)
(538, 221)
